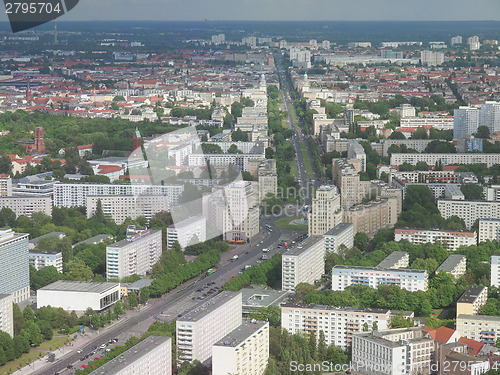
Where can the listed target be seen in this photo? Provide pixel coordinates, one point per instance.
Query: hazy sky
(398, 10)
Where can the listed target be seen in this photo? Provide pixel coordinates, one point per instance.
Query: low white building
(341, 234)
(27, 205)
(78, 295)
(244, 351)
(455, 265)
(495, 270)
(469, 210)
(411, 280)
(396, 259)
(152, 356)
(6, 314)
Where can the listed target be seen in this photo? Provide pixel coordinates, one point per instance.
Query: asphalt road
(177, 301)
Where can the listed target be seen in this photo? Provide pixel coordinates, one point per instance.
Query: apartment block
(446, 159)
(466, 121)
(489, 115)
(393, 352)
(184, 231)
(152, 356)
(370, 217)
(199, 329)
(472, 300)
(27, 205)
(431, 58)
(449, 239)
(437, 122)
(481, 328)
(6, 314)
(495, 270)
(356, 151)
(489, 230)
(41, 259)
(75, 194)
(244, 351)
(337, 323)
(455, 265)
(326, 212)
(304, 263)
(118, 208)
(347, 179)
(14, 265)
(341, 234)
(469, 211)
(268, 178)
(240, 211)
(395, 260)
(411, 280)
(134, 255)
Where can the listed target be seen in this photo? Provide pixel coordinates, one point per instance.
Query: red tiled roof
(475, 346)
(105, 169)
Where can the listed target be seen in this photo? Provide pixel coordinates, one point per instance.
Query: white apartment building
(495, 270)
(244, 351)
(356, 151)
(466, 121)
(184, 231)
(326, 212)
(240, 211)
(455, 265)
(393, 352)
(152, 356)
(42, 259)
(78, 295)
(395, 260)
(337, 323)
(450, 239)
(431, 58)
(202, 327)
(27, 205)
(341, 234)
(489, 230)
(469, 211)
(134, 255)
(119, 207)
(489, 115)
(75, 195)
(6, 314)
(240, 161)
(411, 280)
(406, 110)
(440, 123)
(5, 185)
(482, 328)
(304, 263)
(14, 265)
(446, 159)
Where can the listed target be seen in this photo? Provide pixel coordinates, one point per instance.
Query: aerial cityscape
(245, 197)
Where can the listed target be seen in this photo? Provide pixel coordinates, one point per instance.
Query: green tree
(32, 331)
(422, 166)
(118, 309)
(472, 191)
(482, 132)
(132, 299)
(233, 149)
(239, 136)
(78, 271)
(18, 319)
(361, 241)
(28, 314)
(406, 167)
(5, 164)
(45, 329)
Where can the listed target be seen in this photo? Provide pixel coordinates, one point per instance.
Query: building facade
(495, 270)
(27, 205)
(6, 314)
(455, 265)
(489, 230)
(395, 260)
(370, 217)
(446, 159)
(481, 328)
(134, 255)
(472, 300)
(466, 121)
(326, 212)
(42, 259)
(411, 280)
(341, 234)
(184, 231)
(449, 239)
(244, 351)
(14, 265)
(304, 263)
(469, 211)
(199, 329)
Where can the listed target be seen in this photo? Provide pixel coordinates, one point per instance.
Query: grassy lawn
(40, 351)
(284, 223)
(16, 364)
(307, 162)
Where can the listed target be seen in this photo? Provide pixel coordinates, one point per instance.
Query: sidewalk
(74, 345)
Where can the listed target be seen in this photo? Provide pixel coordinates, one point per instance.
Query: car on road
(263, 257)
(266, 250)
(103, 346)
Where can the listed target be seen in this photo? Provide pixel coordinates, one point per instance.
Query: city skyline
(282, 10)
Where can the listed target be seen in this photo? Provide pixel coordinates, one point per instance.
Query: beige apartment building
(455, 265)
(268, 178)
(369, 218)
(472, 300)
(482, 328)
(326, 212)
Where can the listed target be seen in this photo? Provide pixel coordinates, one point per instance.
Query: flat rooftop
(303, 246)
(473, 318)
(392, 259)
(95, 240)
(189, 221)
(240, 334)
(339, 228)
(471, 294)
(337, 308)
(79, 286)
(118, 364)
(362, 268)
(262, 297)
(208, 307)
(450, 263)
(126, 242)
